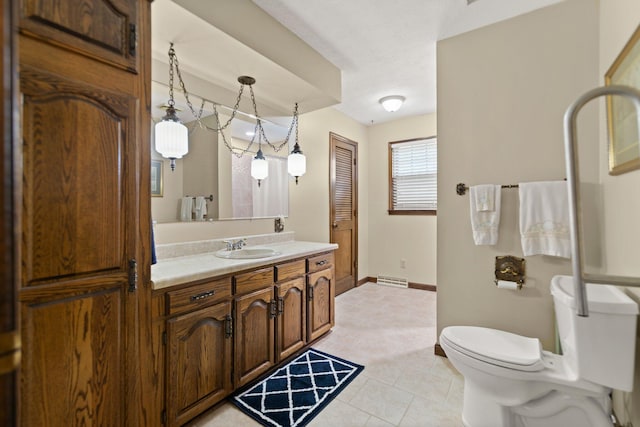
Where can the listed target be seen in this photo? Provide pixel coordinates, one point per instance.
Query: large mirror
(210, 176)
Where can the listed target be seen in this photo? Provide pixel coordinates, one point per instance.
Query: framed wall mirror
(212, 171)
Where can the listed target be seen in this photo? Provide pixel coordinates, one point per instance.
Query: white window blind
(414, 175)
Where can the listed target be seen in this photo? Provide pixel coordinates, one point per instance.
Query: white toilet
(511, 382)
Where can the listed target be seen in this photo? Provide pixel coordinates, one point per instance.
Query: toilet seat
(496, 347)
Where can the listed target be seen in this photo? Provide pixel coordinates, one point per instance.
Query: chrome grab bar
(571, 162)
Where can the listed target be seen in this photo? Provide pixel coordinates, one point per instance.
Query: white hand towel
(544, 218)
(485, 223)
(186, 208)
(485, 197)
(200, 208)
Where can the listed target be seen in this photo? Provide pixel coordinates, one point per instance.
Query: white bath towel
(544, 218)
(200, 208)
(485, 197)
(485, 223)
(186, 208)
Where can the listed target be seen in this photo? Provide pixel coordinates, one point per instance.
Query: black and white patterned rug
(297, 392)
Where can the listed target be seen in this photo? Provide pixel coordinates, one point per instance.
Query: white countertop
(174, 271)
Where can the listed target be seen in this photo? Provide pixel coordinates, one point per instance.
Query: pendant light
(173, 144)
(259, 165)
(171, 136)
(296, 162)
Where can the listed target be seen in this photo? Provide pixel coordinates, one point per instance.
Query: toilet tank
(600, 347)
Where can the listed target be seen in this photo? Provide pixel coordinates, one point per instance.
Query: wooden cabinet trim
(290, 270)
(111, 37)
(320, 262)
(198, 295)
(252, 280)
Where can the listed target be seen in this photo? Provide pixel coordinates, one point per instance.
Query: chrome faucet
(233, 245)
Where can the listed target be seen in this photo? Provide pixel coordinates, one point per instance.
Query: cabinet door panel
(292, 317)
(100, 29)
(76, 174)
(73, 362)
(254, 335)
(321, 303)
(198, 361)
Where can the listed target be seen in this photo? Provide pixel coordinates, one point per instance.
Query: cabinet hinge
(164, 338)
(310, 292)
(280, 305)
(133, 275)
(163, 417)
(133, 39)
(273, 308)
(355, 213)
(354, 161)
(228, 326)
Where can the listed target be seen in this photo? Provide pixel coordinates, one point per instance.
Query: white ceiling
(382, 47)
(387, 47)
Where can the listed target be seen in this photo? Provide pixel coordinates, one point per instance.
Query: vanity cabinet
(221, 334)
(291, 315)
(254, 325)
(321, 292)
(199, 349)
(199, 361)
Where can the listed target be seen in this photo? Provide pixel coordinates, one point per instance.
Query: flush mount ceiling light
(392, 103)
(296, 160)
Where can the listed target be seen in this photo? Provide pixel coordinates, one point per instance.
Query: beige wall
(308, 201)
(393, 238)
(502, 93)
(618, 21)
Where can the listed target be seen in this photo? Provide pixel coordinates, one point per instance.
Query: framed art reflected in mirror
(156, 178)
(622, 122)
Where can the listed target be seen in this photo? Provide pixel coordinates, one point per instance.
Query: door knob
(334, 225)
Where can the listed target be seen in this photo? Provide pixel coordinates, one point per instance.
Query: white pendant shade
(259, 168)
(172, 139)
(297, 164)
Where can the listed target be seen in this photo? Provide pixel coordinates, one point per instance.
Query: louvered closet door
(344, 203)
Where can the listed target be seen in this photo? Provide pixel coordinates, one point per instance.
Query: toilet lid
(496, 347)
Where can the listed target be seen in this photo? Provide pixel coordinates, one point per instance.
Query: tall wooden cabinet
(84, 154)
(10, 352)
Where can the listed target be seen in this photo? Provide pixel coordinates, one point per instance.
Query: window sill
(406, 212)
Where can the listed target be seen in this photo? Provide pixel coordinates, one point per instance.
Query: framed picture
(156, 178)
(624, 148)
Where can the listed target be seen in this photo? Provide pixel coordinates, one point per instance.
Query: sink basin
(247, 253)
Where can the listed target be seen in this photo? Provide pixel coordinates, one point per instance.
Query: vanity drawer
(252, 281)
(290, 270)
(319, 262)
(198, 295)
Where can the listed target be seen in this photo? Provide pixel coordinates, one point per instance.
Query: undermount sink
(247, 253)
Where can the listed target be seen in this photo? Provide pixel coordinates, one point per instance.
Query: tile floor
(391, 331)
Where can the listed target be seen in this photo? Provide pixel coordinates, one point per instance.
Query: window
(413, 170)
